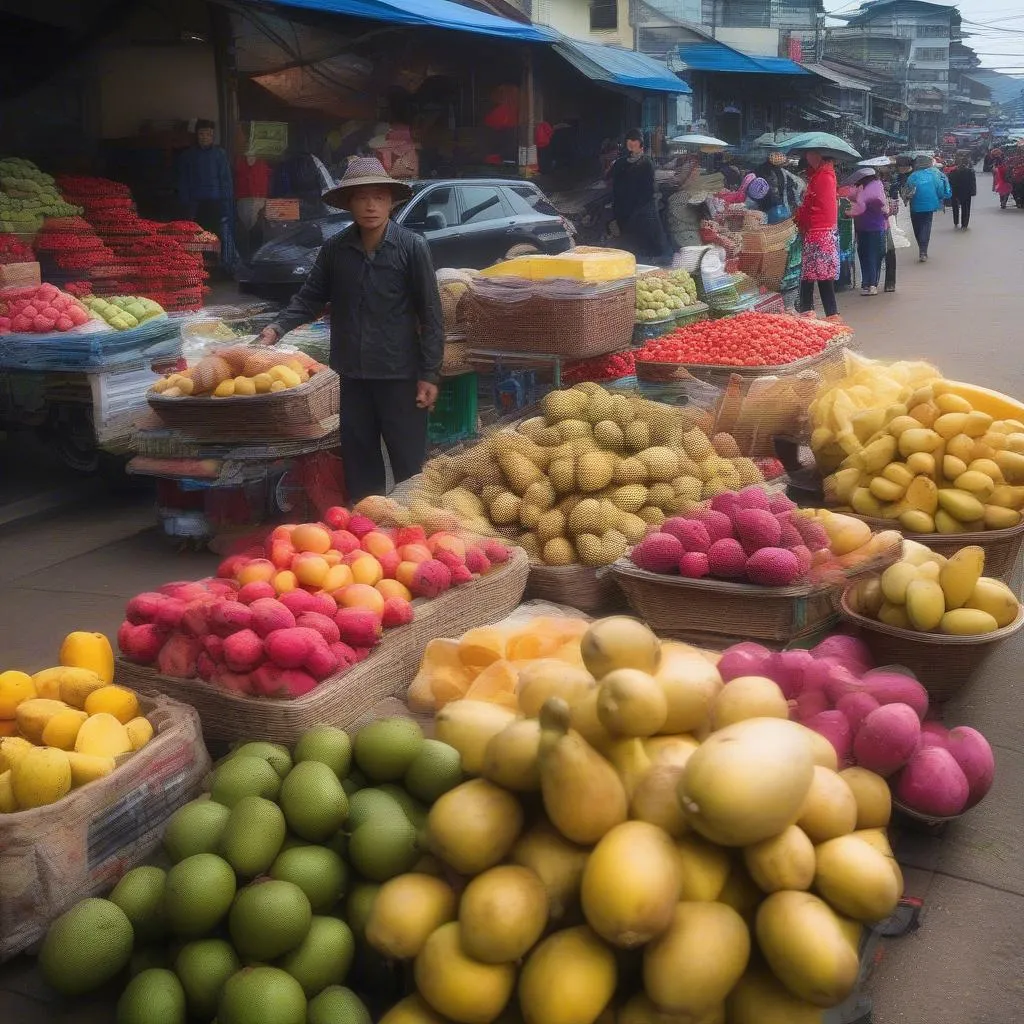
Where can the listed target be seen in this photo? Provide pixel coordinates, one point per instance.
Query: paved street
(75, 570)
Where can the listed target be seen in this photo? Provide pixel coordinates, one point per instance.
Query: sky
(996, 29)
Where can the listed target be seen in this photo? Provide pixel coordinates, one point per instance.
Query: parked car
(469, 223)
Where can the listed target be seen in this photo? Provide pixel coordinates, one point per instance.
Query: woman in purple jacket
(870, 212)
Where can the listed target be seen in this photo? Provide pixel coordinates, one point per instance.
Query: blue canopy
(616, 66)
(430, 14)
(711, 55)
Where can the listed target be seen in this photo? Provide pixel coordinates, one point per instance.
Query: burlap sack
(52, 857)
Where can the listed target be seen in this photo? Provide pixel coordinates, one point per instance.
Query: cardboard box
(281, 209)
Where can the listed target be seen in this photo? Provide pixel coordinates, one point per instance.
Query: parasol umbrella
(829, 145)
(705, 143)
(876, 161)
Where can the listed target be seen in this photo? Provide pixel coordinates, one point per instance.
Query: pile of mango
(65, 726)
(936, 456)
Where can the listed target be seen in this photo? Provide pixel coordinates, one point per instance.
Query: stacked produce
(739, 870)
(874, 719)
(39, 309)
(27, 195)
(929, 593)
(310, 603)
(755, 537)
(239, 371)
(582, 482)
(600, 368)
(663, 294)
(257, 916)
(14, 250)
(123, 312)
(64, 727)
(749, 339)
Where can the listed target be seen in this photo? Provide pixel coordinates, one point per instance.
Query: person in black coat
(635, 203)
(964, 184)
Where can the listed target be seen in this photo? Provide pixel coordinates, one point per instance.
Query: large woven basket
(553, 317)
(343, 700)
(254, 416)
(593, 591)
(1002, 547)
(944, 664)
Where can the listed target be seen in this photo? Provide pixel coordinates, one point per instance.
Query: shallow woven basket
(929, 822)
(256, 415)
(344, 699)
(944, 664)
(593, 591)
(1002, 547)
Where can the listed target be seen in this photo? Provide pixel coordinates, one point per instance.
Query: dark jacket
(632, 187)
(386, 319)
(203, 174)
(780, 192)
(963, 181)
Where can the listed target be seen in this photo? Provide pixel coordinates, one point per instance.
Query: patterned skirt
(821, 256)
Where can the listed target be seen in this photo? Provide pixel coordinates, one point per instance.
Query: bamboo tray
(944, 664)
(593, 591)
(344, 699)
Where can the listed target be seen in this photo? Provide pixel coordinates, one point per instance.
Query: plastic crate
(454, 417)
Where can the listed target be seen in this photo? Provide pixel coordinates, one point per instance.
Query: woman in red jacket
(817, 221)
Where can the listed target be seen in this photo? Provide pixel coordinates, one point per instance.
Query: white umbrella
(875, 161)
(707, 143)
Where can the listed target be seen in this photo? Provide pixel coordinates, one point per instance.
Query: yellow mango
(961, 447)
(968, 622)
(997, 518)
(75, 684)
(982, 451)
(952, 467)
(839, 486)
(285, 374)
(245, 386)
(899, 424)
(923, 395)
(917, 521)
(140, 732)
(921, 464)
(118, 701)
(994, 440)
(867, 423)
(15, 687)
(12, 749)
(987, 466)
(47, 682)
(102, 735)
(1012, 466)
(88, 650)
(920, 440)
(976, 483)
(7, 802)
(925, 413)
(1015, 442)
(960, 575)
(845, 533)
(878, 454)
(898, 473)
(33, 715)
(977, 423)
(961, 505)
(894, 615)
(88, 768)
(886, 490)
(996, 598)
(925, 604)
(922, 494)
(262, 382)
(950, 424)
(225, 389)
(948, 403)
(43, 776)
(895, 581)
(945, 523)
(62, 730)
(1006, 496)
(864, 503)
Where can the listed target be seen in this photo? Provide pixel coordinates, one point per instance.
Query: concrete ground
(75, 569)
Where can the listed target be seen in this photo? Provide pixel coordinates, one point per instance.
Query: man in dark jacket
(205, 187)
(636, 210)
(964, 184)
(387, 334)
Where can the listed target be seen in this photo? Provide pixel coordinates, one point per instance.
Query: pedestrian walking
(633, 200)
(869, 209)
(1001, 184)
(817, 220)
(963, 184)
(926, 190)
(387, 334)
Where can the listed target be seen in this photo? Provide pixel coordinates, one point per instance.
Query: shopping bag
(899, 236)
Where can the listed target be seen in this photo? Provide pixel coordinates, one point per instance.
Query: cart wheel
(75, 439)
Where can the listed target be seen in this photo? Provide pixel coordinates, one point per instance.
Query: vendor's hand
(426, 395)
(268, 336)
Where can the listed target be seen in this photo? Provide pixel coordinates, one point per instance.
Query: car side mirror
(435, 222)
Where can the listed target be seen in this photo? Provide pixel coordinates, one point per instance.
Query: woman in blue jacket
(927, 189)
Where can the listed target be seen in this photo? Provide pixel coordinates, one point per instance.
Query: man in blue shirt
(205, 187)
(927, 189)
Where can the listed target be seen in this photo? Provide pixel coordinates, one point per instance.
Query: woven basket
(944, 664)
(255, 416)
(529, 317)
(1001, 547)
(590, 590)
(342, 700)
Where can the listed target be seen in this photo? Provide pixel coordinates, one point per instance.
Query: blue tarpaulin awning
(616, 66)
(430, 14)
(711, 55)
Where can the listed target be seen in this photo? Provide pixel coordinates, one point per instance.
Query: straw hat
(364, 170)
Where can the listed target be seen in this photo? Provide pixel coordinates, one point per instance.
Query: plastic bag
(899, 236)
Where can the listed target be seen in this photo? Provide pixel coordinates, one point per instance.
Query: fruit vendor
(205, 187)
(387, 333)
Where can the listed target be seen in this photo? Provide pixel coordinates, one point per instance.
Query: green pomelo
(262, 995)
(242, 776)
(203, 967)
(327, 744)
(253, 836)
(323, 957)
(146, 957)
(411, 807)
(269, 919)
(318, 871)
(338, 843)
(372, 805)
(379, 850)
(385, 749)
(152, 997)
(435, 769)
(197, 827)
(274, 754)
(354, 781)
(314, 804)
(140, 894)
(337, 1005)
(198, 894)
(86, 946)
(359, 904)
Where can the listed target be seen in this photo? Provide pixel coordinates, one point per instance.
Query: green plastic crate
(455, 413)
